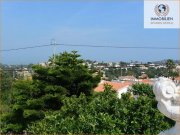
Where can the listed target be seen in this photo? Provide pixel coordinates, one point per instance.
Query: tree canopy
(66, 75)
(170, 66)
(68, 71)
(59, 100)
(103, 113)
(142, 89)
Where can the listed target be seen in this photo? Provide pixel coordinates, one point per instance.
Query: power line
(92, 46)
(14, 70)
(123, 47)
(24, 48)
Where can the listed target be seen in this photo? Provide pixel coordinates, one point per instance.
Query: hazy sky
(94, 23)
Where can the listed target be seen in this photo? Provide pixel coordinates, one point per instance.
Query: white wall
(121, 91)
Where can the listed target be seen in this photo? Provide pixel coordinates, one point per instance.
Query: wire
(123, 47)
(23, 48)
(93, 46)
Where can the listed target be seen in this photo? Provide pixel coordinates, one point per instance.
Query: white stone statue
(168, 97)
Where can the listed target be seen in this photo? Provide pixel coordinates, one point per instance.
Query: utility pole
(53, 43)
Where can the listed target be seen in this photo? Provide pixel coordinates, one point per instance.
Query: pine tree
(65, 75)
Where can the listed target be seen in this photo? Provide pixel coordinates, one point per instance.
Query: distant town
(120, 75)
(67, 84)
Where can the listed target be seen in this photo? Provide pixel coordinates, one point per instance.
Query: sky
(103, 23)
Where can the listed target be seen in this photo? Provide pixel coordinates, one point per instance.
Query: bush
(103, 113)
(142, 89)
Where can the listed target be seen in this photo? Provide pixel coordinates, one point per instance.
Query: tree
(142, 89)
(68, 71)
(122, 64)
(153, 72)
(66, 75)
(22, 108)
(113, 73)
(170, 65)
(5, 90)
(103, 113)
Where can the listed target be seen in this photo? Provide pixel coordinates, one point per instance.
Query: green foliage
(153, 72)
(170, 64)
(142, 89)
(5, 89)
(68, 71)
(173, 74)
(6, 80)
(59, 100)
(66, 76)
(114, 73)
(17, 119)
(103, 113)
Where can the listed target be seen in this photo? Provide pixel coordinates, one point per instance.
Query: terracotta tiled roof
(147, 81)
(127, 78)
(115, 85)
(177, 78)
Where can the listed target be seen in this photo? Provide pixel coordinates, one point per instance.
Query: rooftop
(115, 85)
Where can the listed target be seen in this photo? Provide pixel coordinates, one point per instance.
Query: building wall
(121, 91)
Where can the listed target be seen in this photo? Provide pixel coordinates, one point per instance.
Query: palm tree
(170, 65)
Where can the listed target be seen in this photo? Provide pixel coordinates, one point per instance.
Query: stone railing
(168, 97)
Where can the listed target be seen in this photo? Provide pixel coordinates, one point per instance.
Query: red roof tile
(177, 78)
(147, 81)
(115, 85)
